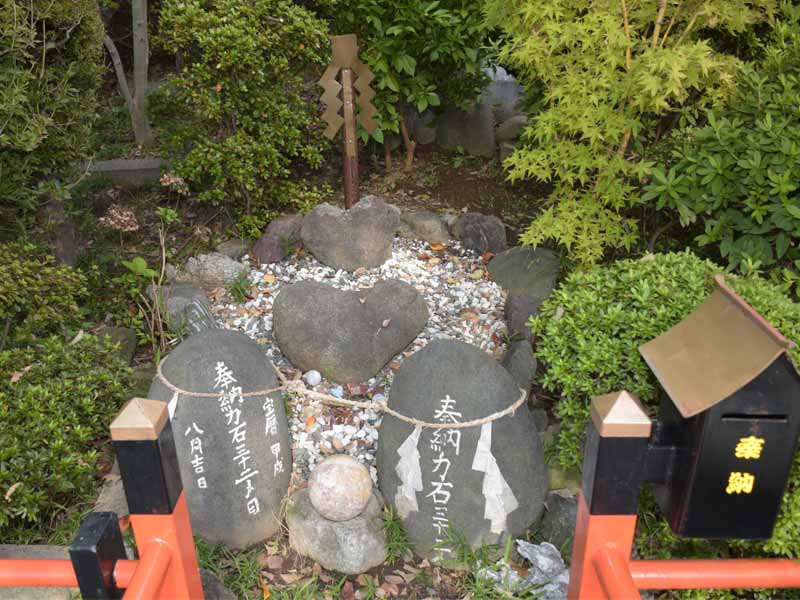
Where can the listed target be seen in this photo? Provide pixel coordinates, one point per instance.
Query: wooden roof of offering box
(715, 351)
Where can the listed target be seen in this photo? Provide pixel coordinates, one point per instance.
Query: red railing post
(613, 469)
(145, 449)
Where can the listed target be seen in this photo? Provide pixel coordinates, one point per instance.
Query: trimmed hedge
(588, 334)
(56, 403)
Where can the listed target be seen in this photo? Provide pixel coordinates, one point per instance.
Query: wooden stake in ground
(353, 87)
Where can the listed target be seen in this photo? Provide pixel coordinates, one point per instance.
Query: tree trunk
(141, 57)
(122, 80)
(410, 144)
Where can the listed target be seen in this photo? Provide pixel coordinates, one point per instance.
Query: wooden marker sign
(353, 87)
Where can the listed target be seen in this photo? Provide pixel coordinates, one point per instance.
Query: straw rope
(297, 386)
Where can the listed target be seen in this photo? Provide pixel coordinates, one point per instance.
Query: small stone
(481, 233)
(340, 487)
(336, 391)
(281, 238)
(234, 248)
(213, 270)
(350, 547)
(558, 524)
(511, 129)
(312, 378)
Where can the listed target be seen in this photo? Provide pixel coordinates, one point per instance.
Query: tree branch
(627, 35)
(672, 22)
(122, 80)
(662, 10)
(686, 31)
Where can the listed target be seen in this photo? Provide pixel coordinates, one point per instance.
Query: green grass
(396, 539)
(238, 571)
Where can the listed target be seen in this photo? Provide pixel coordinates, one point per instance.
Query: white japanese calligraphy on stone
(500, 500)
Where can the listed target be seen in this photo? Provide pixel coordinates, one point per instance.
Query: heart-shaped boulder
(347, 335)
(349, 239)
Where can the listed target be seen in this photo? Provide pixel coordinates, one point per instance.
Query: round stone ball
(340, 488)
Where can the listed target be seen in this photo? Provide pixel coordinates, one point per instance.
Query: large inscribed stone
(234, 450)
(486, 481)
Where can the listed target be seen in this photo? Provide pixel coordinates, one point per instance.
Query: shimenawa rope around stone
(296, 386)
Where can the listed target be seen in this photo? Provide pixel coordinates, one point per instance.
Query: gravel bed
(463, 305)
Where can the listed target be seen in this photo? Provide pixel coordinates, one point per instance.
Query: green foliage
(421, 52)
(589, 331)
(247, 121)
(397, 542)
(239, 289)
(609, 76)
(56, 403)
(37, 297)
(50, 68)
(739, 174)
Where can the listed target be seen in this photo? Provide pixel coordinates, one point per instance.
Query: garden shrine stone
(349, 239)
(487, 481)
(348, 336)
(234, 451)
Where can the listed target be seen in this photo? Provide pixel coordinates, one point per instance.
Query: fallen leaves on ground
(17, 375)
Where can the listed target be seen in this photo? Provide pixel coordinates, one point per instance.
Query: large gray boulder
(470, 131)
(348, 336)
(528, 271)
(349, 239)
(234, 451)
(213, 270)
(349, 547)
(280, 238)
(487, 481)
(481, 233)
(185, 308)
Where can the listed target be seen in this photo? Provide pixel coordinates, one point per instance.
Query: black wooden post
(94, 554)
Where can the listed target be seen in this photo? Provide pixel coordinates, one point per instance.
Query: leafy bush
(610, 72)
(420, 52)
(739, 174)
(247, 122)
(37, 297)
(56, 403)
(50, 66)
(589, 331)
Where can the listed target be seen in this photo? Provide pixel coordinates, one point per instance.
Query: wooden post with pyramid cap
(148, 463)
(613, 472)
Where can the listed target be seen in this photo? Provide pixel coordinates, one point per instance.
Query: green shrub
(738, 176)
(589, 330)
(37, 297)
(588, 334)
(610, 72)
(247, 118)
(50, 68)
(422, 53)
(56, 403)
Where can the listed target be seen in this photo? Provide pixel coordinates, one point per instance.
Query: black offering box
(721, 452)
